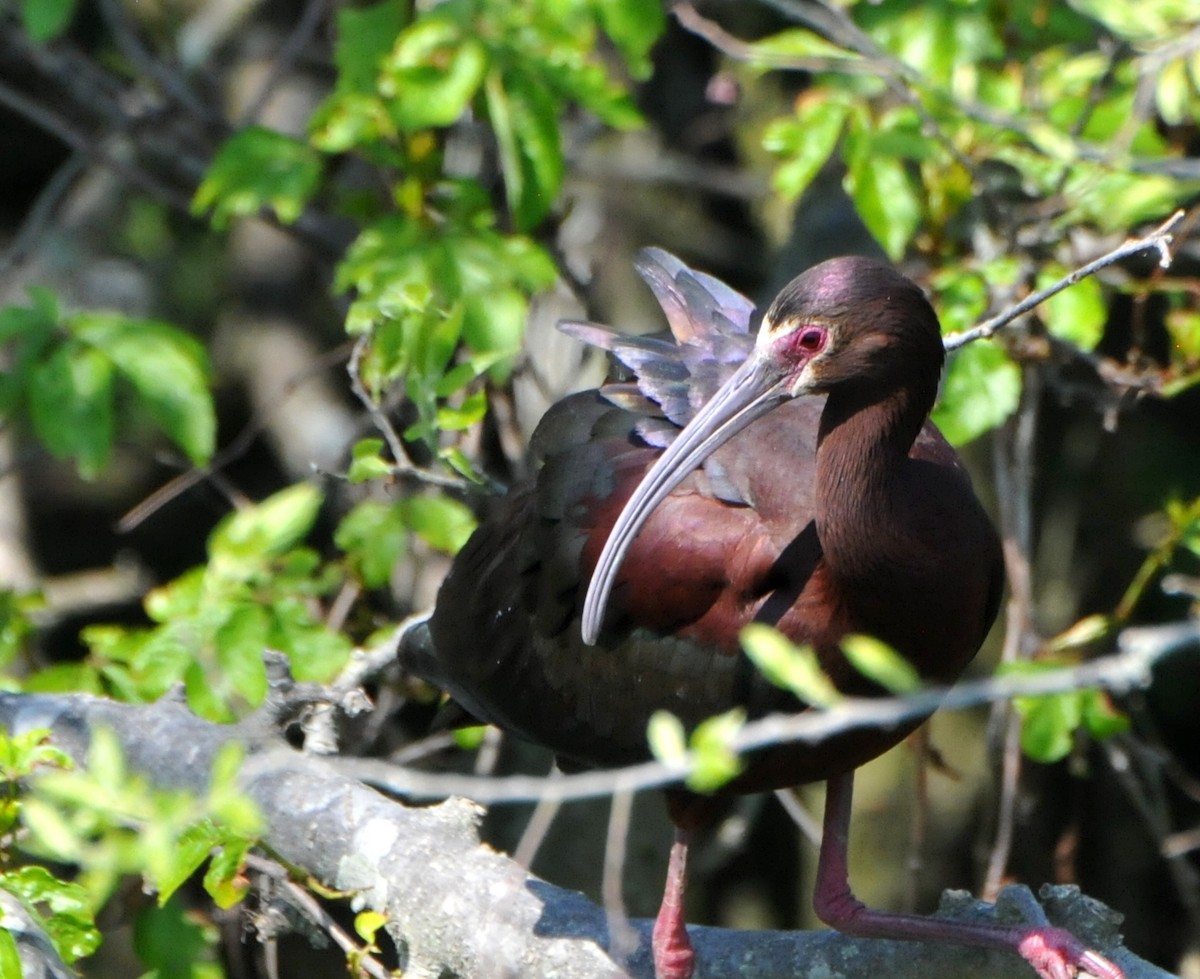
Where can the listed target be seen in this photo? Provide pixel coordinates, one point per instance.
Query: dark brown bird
(794, 479)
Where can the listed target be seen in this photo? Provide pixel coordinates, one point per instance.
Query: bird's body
(791, 478)
(710, 559)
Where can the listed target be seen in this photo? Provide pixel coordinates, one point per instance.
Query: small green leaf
(241, 640)
(185, 857)
(71, 405)
(364, 36)
(789, 666)
(256, 169)
(375, 538)
(45, 20)
(667, 738)
(367, 462)
(1077, 313)
(470, 738)
(432, 73)
(878, 661)
(1048, 725)
(442, 523)
(10, 959)
(714, 759)
(367, 923)
(886, 199)
(269, 528)
(634, 27)
(804, 143)
(1100, 717)
(471, 411)
(981, 389)
(525, 120)
(167, 368)
(224, 880)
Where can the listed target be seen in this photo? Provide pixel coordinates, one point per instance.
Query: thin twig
(300, 898)
(1119, 672)
(402, 462)
(1159, 239)
(810, 828)
(237, 447)
(42, 117)
(624, 938)
(301, 34)
(133, 49)
(41, 212)
(538, 826)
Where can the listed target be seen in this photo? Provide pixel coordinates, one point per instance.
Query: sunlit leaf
(878, 661)
(256, 169)
(980, 390)
(789, 666)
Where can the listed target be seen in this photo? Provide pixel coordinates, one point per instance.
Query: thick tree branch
(455, 905)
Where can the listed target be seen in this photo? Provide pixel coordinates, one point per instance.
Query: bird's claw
(1057, 954)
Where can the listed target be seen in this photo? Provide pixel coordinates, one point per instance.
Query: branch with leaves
(410, 865)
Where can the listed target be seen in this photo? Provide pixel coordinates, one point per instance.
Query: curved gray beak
(753, 390)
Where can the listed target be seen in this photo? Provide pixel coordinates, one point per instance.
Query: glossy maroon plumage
(801, 485)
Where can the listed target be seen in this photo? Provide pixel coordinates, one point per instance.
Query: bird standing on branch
(790, 477)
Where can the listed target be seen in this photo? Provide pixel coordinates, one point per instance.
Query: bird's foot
(673, 954)
(1057, 954)
(673, 960)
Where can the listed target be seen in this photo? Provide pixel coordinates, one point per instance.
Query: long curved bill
(753, 390)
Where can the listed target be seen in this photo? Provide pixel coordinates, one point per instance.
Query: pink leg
(673, 955)
(1053, 952)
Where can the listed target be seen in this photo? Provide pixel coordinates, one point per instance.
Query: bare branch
(456, 907)
(1120, 673)
(1159, 240)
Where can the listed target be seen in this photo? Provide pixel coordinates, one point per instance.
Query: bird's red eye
(811, 339)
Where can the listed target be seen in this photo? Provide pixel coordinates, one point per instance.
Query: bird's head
(850, 321)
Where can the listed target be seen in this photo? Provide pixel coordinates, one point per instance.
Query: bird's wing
(710, 324)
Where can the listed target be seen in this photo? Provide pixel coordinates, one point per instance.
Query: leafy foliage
(81, 379)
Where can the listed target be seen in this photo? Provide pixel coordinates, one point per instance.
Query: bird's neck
(862, 461)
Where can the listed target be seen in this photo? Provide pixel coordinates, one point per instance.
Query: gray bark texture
(455, 907)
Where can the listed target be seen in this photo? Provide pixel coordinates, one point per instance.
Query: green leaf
(10, 960)
(71, 406)
(224, 880)
(1100, 717)
(1076, 314)
(442, 523)
(70, 924)
(525, 120)
(256, 169)
(167, 368)
(315, 653)
(269, 528)
(45, 20)
(374, 537)
(169, 942)
(191, 849)
(792, 667)
(432, 73)
(472, 410)
(241, 640)
(364, 36)
(1048, 725)
(804, 143)
(634, 26)
(667, 738)
(713, 756)
(367, 923)
(886, 199)
(981, 389)
(878, 661)
(367, 462)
